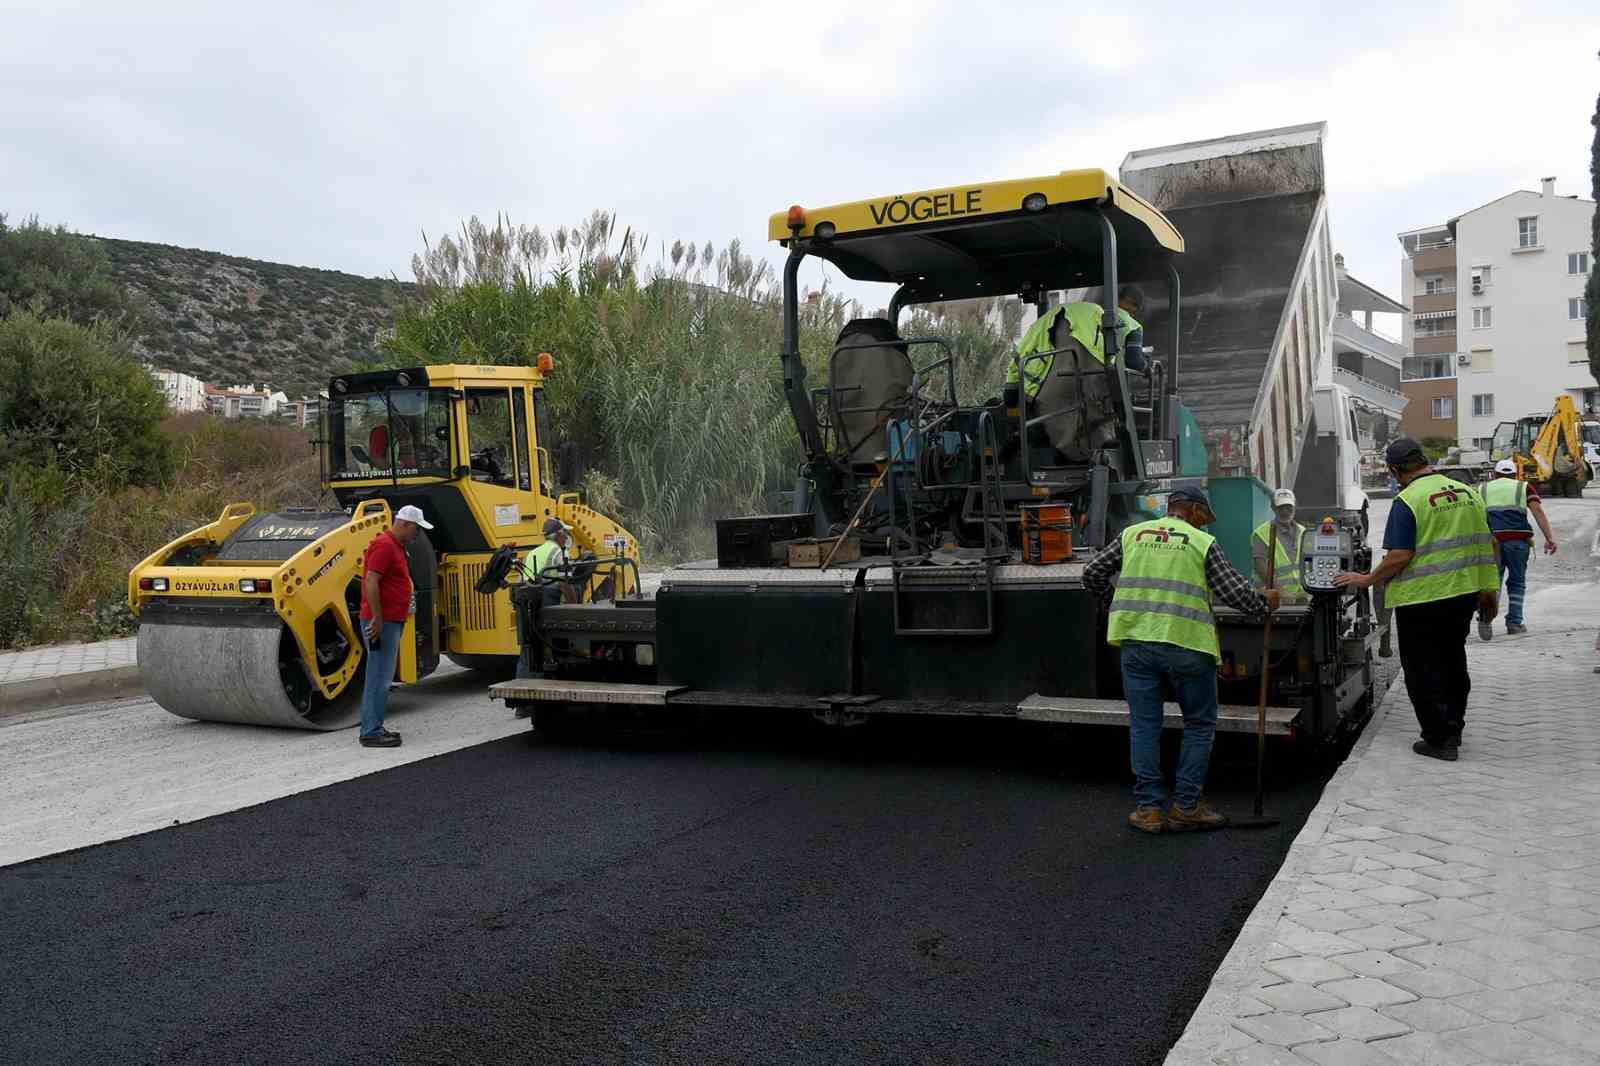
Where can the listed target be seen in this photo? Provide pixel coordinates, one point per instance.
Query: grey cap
(1403, 452)
(552, 526)
(1190, 495)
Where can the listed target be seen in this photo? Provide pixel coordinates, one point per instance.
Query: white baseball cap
(1505, 466)
(1283, 498)
(411, 513)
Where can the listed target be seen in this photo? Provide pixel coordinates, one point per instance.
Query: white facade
(245, 401)
(1521, 264)
(184, 393)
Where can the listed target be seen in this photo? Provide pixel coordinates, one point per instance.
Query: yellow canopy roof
(979, 240)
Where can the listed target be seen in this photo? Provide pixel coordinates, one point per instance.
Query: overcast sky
(332, 134)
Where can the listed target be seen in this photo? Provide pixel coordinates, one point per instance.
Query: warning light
(546, 362)
(797, 217)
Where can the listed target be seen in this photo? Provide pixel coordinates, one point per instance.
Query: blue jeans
(380, 673)
(1149, 671)
(1514, 572)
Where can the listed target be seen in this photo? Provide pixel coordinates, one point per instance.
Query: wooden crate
(809, 553)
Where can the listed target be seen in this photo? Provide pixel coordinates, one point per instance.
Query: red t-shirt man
(386, 557)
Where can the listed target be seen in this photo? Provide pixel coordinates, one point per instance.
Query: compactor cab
(253, 617)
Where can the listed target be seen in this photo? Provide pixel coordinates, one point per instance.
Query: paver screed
(1434, 912)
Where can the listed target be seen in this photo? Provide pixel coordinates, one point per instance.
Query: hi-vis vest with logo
(1083, 321)
(1507, 501)
(1286, 561)
(1162, 594)
(1455, 550)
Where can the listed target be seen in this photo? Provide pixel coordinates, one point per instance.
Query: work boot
(1199, 817)
(1435, 751)
(1147, 820)
(1453, 741)
(381, 739)
(1485, 630)
(1513, 628)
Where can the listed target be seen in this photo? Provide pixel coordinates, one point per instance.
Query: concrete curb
(1203, 1036)
(88, 686)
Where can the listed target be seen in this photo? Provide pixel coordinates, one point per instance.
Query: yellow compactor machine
(253, 618)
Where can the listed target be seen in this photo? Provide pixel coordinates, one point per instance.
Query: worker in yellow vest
(1284, 567)
(1167, 572)
(1439, 567)
(1075, 333)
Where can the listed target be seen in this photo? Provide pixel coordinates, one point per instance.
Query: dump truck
(254, 617)
(933, 564)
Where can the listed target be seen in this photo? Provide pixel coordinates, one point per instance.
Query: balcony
(1429, 302)
(1434, 257)
(1368, 341)
(1428, 367)
(1373, 393)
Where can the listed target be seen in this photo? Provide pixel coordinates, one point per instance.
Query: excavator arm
(1559, 439)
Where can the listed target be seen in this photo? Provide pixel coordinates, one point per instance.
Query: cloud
(332, 134)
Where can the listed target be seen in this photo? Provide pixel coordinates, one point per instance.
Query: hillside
(229, 320)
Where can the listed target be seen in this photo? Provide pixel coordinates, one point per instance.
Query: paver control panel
(1324, 551)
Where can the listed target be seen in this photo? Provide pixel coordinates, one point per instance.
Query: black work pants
(1433, 653)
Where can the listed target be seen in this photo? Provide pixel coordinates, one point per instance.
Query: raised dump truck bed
(1259, 289)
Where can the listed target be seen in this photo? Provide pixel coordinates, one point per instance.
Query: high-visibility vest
(1506, 499)
(1455, 550)
(1083, 322)
(1162, 595)
(1286, 563)
(545, 555)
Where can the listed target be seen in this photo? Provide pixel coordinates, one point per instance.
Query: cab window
(490, 436)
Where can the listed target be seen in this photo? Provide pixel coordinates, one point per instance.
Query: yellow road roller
(253, 618)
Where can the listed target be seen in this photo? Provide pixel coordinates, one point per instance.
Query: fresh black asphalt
(922, 892)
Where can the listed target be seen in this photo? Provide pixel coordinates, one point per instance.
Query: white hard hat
(412, 513)
(1282, 498)
(1506, 466)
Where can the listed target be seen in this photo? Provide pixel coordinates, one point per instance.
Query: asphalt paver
(908, 892)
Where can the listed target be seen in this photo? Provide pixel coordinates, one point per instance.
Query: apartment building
(1496, 329)
(1366, 360)
(243, 401)
(184, 393)
(302, 412)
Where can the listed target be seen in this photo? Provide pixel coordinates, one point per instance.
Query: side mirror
(569, 471)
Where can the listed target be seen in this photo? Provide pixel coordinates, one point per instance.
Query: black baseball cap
(1403, 452)
(1190, 495)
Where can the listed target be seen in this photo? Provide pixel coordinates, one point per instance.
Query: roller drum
(238, 673)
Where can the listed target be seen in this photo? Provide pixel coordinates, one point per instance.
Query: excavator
(253, 618)
(1548, 449)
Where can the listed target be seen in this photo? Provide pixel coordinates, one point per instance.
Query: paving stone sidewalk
(49, 676)
(1432, 912)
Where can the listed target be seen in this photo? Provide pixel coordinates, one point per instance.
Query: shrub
(71, 396)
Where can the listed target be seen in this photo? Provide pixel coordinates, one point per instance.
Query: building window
(1528, 232)
(1482, 317)
(1482, 443)
(1482, 361)
(1436, 327)
(1444, 407)
(1577, 262)
(1577, 309)
(1433, 283)
(1483, 405)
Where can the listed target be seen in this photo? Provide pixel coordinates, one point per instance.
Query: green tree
(666, 375)
(61, 274)
(73, 401)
